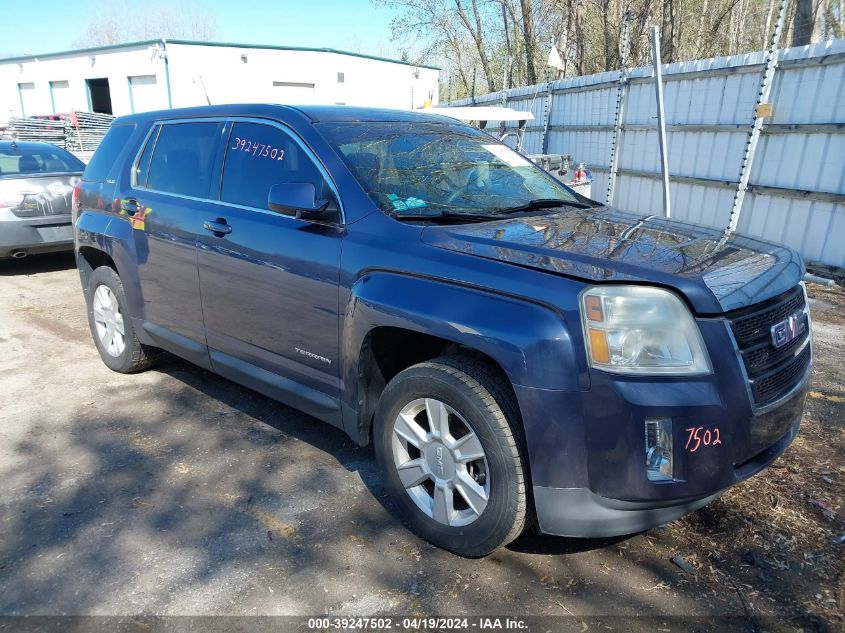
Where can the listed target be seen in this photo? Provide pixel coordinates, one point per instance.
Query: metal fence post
(621, 94)
(757, 123)
(547, 113)
(661, 119)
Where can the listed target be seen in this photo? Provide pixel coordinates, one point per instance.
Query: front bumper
(36, 235)
(579, 512)
(587, 449)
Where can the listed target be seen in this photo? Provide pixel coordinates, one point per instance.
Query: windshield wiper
(447, 215)
(489, 216)
(542, 203)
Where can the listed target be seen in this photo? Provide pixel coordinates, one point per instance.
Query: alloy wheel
(108, 321)
(440, 462)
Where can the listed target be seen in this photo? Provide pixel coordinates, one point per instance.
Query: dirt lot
(178, 492)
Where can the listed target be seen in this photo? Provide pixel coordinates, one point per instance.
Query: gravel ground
(176, 492)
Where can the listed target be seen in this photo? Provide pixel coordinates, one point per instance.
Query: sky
(44, 26)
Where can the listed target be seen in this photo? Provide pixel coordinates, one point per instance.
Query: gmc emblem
(787, 330)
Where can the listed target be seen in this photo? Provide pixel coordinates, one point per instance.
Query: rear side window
(42, 160)
(106, 155)
(183, 158)
(260, 156)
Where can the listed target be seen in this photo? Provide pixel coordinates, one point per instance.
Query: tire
(476, 401)
(123, 354)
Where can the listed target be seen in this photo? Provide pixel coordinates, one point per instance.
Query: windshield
(31, 161)
(427, 169)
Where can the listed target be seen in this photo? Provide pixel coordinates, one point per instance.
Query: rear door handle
(218, 227)
(130, 207)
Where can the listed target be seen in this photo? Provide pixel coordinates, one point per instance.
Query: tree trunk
(668, 36)
(805, 24)
(609, 49)
(530, 41)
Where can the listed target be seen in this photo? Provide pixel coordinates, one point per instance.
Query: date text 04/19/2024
(417, 623)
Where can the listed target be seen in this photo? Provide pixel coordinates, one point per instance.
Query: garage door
(29, 102)
(146, 94)
(60, 93)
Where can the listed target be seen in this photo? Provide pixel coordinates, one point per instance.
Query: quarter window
(106, 155)
(260, 156)
(183, 159)
(142, 169)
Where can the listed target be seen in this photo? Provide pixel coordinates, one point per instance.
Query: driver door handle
(218, 227)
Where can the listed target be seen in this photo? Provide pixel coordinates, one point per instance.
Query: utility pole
(661, 119)
(621, 95)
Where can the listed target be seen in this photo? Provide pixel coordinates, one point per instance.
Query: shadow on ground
(179, 492)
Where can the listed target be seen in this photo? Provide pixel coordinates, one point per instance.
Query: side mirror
(299, 200)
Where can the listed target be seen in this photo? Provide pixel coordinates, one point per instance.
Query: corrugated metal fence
(797, 193)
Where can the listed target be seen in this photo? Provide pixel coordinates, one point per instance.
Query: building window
(341, 78)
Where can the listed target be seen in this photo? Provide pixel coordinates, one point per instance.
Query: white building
(157, 74)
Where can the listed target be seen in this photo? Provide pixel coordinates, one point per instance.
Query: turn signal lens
(592, 307)
(598, 346)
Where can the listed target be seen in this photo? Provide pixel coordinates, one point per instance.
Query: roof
(165, 42)
(313, 113)
(351, 114)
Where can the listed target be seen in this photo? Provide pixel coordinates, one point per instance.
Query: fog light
(658, 449)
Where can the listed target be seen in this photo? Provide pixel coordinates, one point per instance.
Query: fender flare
(531, 342)
(113, 236)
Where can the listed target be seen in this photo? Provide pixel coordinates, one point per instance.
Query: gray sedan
(36, 188)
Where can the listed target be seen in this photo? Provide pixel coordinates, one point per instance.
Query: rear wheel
(449, 454)
(111, 327)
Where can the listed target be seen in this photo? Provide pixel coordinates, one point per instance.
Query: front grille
(772, 371)
(770, 386)
(753, 326)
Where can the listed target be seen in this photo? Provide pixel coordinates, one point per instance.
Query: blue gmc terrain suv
(517, 354)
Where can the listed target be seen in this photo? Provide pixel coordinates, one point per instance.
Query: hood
(717, 272)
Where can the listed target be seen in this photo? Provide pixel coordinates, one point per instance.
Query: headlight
(641, 330)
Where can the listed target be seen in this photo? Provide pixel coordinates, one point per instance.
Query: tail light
(11, 200)
(74, 201)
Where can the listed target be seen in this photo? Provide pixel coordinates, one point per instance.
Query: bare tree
(126, 22)
(480, 36)
(476, 32)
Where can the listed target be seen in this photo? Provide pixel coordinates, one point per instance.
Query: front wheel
(446, 443)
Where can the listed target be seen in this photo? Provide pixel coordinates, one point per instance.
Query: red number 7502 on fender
(698, 436)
